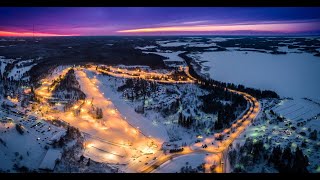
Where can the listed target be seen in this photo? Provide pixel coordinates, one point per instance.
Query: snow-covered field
(221, 39)
(154, 122)
(27, 149)
(298, 110)
(299, 122)
(20, 67)
(290, 75)
(287, 50)
(175, 165)
(17, 73)
(146, 47)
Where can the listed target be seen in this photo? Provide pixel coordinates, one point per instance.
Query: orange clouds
(274, 27)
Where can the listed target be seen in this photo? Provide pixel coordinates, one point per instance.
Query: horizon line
(144, 35)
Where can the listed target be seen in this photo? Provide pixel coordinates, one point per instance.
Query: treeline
(136, 88)
(286, 161)
(250, 154)
(70, 84)
(72, 133)
(225, 117)
(209, 82)
(11, 88)
(171, 108)
(254, 152)
(185, 121)
(211, 103)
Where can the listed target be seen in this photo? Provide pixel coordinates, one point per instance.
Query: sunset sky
(93, 21)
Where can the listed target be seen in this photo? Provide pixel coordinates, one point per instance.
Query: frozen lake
(290, 75)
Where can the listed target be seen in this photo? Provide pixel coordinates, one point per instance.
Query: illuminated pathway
(123, 143)
(151, 76)
(110, 139)
(221, 151)
(223, 145)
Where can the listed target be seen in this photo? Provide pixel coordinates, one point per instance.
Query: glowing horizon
(31, 34)
(109, 21)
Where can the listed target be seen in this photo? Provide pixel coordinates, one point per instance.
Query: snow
(3, 66)
(175, 165)
(115, 137)
(202, 45)
(57, 136)
(27, 146)
(137, 120)
(220, 39)
(9, 103)
(189, 93)
(17, 67)
(4, 62)
(193, 160)
(49, 161)
(26, 78)
(146, 47)
(286, 49)
(269, 129)
(18, 75)
(211, 49)
(290, 75)
(298, 109)
(172, 56)
(21, 63)
(289, 43)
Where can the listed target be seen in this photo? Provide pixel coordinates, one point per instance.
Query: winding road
(230, 133)
(239, 125)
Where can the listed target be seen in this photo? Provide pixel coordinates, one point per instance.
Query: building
(50, 160)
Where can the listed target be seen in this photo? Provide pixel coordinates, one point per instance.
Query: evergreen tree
(300, 162)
